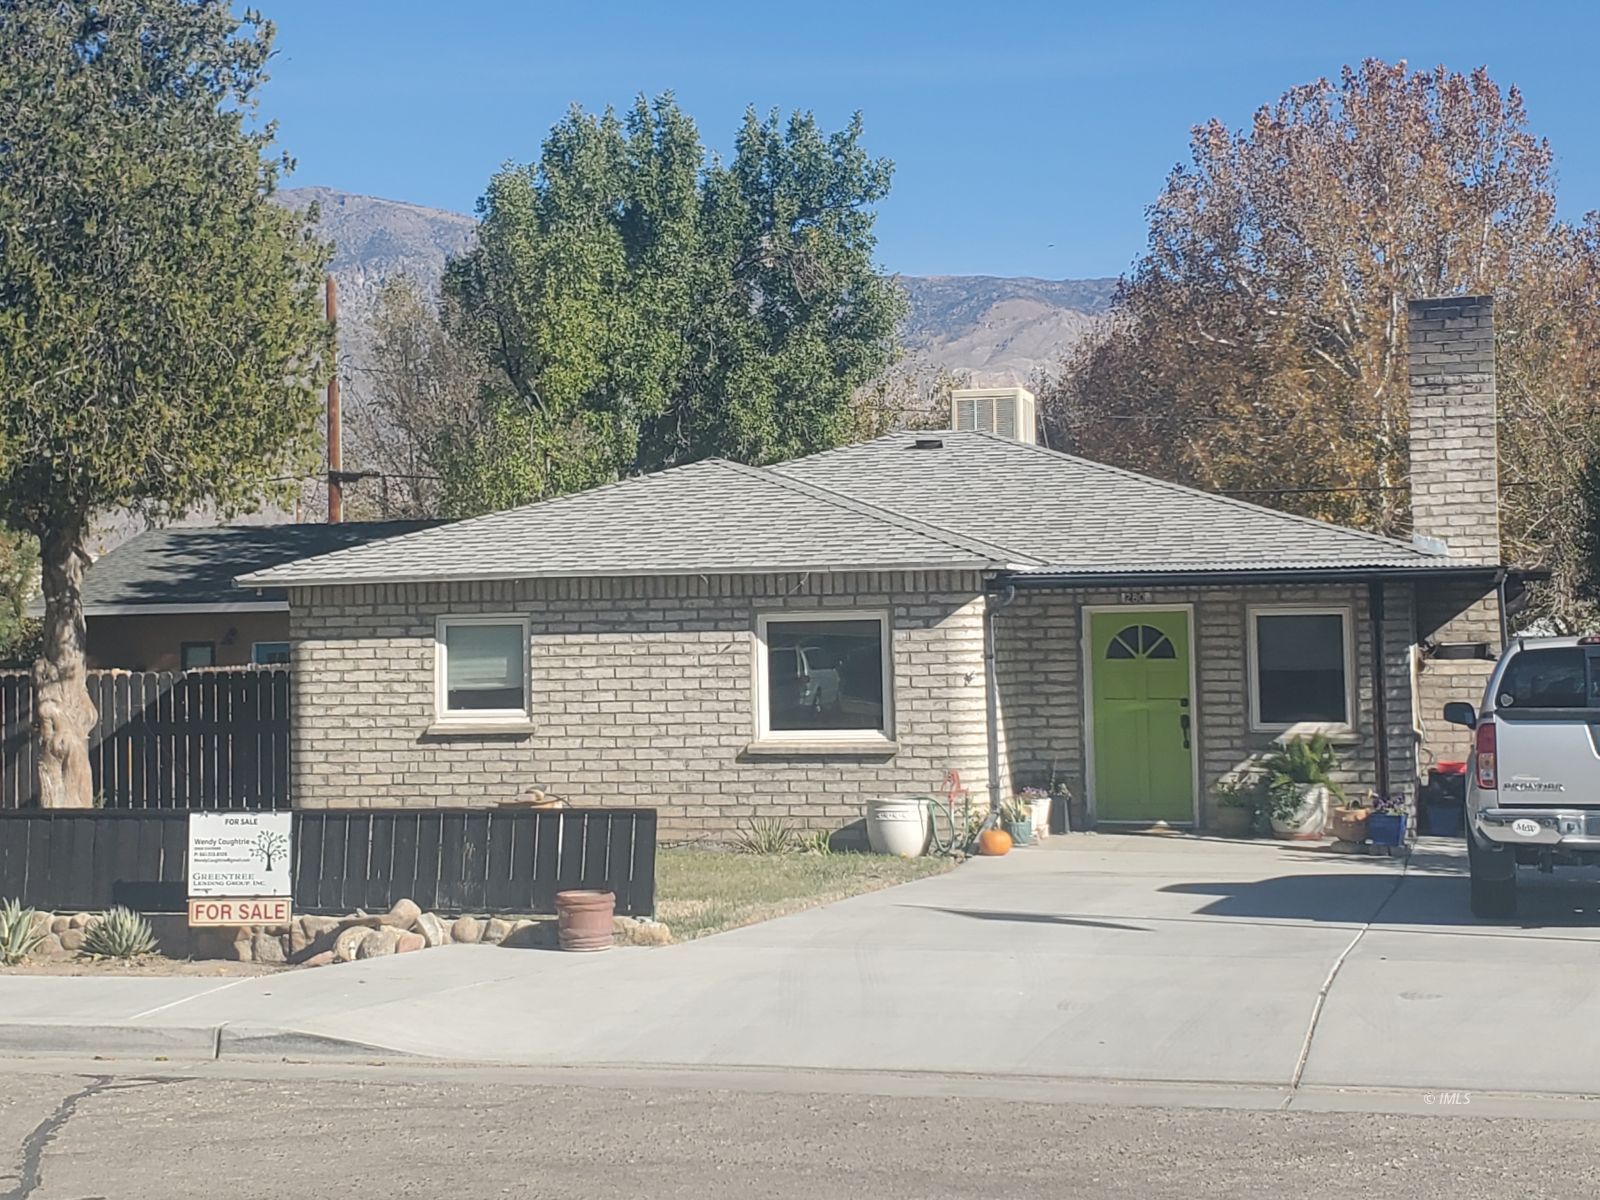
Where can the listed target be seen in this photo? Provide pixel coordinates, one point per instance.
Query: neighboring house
(725, 642)
(164, 600)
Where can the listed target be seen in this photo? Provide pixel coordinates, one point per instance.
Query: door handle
(1183, 724)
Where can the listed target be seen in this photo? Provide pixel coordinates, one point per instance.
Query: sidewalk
(1112, 957)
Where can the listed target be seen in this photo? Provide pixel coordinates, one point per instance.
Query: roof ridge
(828, 495)
(1186, 489)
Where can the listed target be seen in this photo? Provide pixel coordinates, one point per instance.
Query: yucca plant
(765, 835)
(120, 933)
(21, 931)
(819, 842)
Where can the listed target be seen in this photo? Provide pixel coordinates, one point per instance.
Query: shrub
(20, 932)
(820, 842)
(120, 933)
(765, 835)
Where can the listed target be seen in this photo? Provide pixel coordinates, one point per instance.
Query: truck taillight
(1488, 776)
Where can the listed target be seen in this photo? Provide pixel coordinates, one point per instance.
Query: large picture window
(1300, 672)
(823, 676)
(482, 669)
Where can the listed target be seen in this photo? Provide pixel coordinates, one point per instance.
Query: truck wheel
(1494, 880)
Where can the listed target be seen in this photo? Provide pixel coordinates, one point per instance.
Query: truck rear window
(1553, 677)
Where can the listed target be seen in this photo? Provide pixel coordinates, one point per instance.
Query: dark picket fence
(449, 861)
(212, 739)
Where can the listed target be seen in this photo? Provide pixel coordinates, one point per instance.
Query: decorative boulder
(408, 943)
(403, 915)
(434, 931)
(495, 930)
(347, 946)
(380, 943)
(467, 930)
(268, 948)
(312, 935)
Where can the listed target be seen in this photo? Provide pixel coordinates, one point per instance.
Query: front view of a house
(725, 642)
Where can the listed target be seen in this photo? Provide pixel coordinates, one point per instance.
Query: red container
(583, 919)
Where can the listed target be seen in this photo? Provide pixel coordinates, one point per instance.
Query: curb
(51, 1039)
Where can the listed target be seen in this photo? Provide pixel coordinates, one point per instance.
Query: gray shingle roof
(969, 501)
(1075, 515)
(709, 517)
(196, 565)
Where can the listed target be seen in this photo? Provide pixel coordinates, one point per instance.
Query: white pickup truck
(1533, 778)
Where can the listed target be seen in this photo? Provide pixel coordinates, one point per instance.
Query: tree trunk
(63, 712)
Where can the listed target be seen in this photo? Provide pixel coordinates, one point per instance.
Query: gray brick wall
(1454, 496)
(1453, 444)
(1042, 694)
(642, 694)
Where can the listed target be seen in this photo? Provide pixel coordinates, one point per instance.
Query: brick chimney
(1455, 484)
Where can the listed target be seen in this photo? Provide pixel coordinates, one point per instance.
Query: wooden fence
(214, 739)
(449, 861)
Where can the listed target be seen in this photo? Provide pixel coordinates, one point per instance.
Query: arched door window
(1141, 641)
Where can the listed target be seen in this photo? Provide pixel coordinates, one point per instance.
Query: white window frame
(1346, 617)
(256, 646)
(764, 733)
(446, 717)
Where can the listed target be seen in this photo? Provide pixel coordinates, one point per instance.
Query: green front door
(1143, 718)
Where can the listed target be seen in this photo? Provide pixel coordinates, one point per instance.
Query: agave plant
(21, 931)
(765, 835)
(119, 933)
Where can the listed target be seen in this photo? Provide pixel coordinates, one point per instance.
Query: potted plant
(1386, 824)
(1238, 800)
(1016, 814)
(1299, 786)
(1038, 801)
(1348, 822)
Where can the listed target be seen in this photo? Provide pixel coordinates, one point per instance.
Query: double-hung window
(482, 671)
(1301, 671)
(824, 677)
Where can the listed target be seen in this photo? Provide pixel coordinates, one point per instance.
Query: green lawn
(706, 891)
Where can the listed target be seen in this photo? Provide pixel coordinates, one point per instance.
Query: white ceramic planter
(898, 825)
(1308, 821)
(1039, 810)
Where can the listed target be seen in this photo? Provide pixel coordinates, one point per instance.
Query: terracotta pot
(1231, 821)
(583, 919)
(994, 842)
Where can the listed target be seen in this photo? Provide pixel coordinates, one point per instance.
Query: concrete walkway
(1108, 957)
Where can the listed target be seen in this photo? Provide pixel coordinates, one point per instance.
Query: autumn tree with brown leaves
(1258, 346)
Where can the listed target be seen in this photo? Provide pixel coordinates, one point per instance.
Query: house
(164, 600)
(725, 642)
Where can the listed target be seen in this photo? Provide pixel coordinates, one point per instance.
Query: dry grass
(699, 892)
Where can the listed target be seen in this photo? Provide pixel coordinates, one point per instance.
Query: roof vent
(928, 444)
(1007, 411)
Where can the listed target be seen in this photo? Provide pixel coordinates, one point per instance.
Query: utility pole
(335, 420)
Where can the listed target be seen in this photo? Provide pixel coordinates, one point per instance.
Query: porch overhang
(1489, 574)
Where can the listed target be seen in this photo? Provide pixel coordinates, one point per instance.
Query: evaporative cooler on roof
(1007, 411)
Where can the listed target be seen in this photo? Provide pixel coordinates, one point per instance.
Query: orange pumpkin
(994, 842)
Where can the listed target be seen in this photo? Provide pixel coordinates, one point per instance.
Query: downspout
(991, 690)
(1380, 684)
(1500, 608)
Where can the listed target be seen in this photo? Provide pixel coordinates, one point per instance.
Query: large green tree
(640, 303)
(1259, 345)
(161, 340)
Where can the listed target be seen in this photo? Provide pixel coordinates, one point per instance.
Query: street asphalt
(1129, 958)
(212, 1130)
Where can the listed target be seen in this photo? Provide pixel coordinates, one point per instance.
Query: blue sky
(1028, 137)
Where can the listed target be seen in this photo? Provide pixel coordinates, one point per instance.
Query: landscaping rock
(268, 948)
(50, 947)
(407, 943)
(365, 920)
(312, 935)
(42, 922)
(80, 920)
(468, 930)
(403, 915)
(60, 924)
(495, 930)
(529, 934)
(434, 931)
(347, 946)
(380, 943)
(325, 958)
(72, 940)
(640, 931)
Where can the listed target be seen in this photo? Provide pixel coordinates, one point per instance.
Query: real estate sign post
(239, 868)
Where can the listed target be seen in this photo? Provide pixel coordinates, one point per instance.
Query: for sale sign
(239, 854)
(228, 910)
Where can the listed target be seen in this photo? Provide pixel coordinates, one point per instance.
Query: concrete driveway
(1096, 956)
